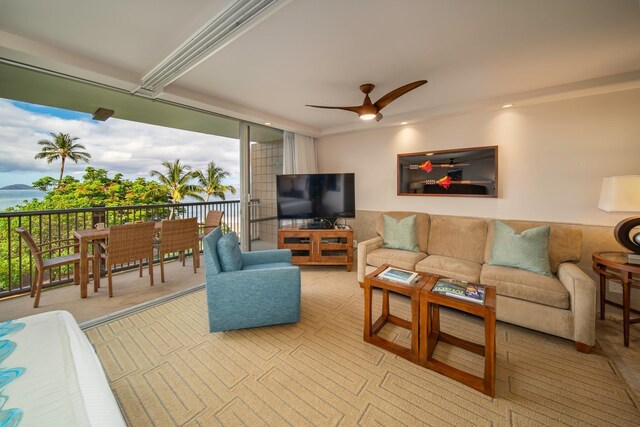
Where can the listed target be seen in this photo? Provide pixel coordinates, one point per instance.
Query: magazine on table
(473, 292)
(398, 275)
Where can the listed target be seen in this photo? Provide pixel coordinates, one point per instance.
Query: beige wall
(552, 158)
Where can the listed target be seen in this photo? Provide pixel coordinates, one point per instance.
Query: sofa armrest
(264, 257)
(582, 291)
(363, 249)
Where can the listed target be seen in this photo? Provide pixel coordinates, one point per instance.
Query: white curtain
(299, 154)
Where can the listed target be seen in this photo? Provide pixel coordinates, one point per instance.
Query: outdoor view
(55, 160)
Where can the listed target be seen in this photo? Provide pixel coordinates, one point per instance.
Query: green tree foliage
(211, 182)
(62, 146)
(96, 189)
(177, 179)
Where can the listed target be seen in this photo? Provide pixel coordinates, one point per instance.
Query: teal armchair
(265, 291)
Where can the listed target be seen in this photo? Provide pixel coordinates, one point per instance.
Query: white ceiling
(475, 53)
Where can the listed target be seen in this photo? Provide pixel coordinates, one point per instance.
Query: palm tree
(176, 178)
(62, 146)
(211, 182)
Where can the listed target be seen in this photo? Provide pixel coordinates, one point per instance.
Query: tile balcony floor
(130, 290)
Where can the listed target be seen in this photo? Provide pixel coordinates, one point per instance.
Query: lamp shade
(620, 194)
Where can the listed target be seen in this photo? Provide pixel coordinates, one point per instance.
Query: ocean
(9, 198)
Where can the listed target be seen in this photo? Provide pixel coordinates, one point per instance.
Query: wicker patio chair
(126, 243)
(42, 264)
(178, 235)
(213, 220)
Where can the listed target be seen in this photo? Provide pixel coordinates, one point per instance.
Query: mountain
(17, 187)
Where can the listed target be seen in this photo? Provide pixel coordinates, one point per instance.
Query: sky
(131, 148)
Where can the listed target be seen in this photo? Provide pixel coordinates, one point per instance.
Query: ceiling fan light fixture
(367, 116)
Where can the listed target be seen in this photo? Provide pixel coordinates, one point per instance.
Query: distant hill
(17, 187)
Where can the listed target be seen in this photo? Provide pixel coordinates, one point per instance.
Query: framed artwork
(465, 172)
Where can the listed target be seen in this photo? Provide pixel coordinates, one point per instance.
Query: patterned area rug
(167, 369)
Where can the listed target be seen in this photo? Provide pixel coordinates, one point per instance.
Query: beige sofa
(563, 305)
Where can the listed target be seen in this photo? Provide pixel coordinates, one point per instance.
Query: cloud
(131, 148)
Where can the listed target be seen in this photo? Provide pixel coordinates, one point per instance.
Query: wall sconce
(622, 194)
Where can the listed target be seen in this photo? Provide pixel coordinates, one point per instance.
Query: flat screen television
(318, 197)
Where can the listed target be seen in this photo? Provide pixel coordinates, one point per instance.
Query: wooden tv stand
(331, 246)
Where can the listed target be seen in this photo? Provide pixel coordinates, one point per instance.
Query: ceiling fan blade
(379, 117)
(397, 93)
(356, 110)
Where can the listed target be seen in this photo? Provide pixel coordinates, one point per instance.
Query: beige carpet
(167, 369)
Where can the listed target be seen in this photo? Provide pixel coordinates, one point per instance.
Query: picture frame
(462, 172)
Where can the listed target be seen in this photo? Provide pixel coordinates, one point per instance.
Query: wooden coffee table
(430, 334)
(371, 329)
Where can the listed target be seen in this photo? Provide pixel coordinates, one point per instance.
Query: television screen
(309, 196)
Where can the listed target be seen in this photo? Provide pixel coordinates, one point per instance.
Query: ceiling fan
(369, 110)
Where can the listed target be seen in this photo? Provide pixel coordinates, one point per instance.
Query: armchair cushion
(229, 252)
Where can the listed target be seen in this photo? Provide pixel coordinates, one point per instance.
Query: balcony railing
(17, 266)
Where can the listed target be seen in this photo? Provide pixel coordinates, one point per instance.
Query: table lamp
(622, 194)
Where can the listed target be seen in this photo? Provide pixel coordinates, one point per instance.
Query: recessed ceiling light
(267, 123)
(428, 154)
(404, 123)
(507, 106)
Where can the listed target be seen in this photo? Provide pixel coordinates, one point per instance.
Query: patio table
(85, 237)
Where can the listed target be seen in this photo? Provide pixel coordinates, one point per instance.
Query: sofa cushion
(565, 241)
(422, 226)
(527, 250)
(455, 268)
(525, 285)
(400, 233)
(457, 237)
(229, 252)
(396, 257)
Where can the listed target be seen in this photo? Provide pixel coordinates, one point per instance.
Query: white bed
(53, 376)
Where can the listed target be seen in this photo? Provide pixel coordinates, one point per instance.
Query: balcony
(17, 272)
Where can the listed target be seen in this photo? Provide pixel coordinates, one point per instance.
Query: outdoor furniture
(85, 238)
(42, 264)
(178, 235)
(264, 291)
(129, 242)
(213, 220)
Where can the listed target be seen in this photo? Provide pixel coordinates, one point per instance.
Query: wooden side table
(614, 266)
(371, 329)
(430, 334)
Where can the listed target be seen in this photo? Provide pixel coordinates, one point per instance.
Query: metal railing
(16, 261)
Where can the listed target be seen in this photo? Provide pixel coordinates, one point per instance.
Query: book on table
(398, 275)
(461, 289)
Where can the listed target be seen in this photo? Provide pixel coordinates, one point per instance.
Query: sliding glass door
(260, 162)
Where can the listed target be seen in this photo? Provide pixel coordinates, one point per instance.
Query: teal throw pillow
(400, 234)
(528, 250)
(229, 252)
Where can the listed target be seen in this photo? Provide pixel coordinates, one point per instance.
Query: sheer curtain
(299, 154)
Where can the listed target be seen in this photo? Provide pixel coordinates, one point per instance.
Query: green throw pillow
(400, 234)
(528, 250)
(229, 252)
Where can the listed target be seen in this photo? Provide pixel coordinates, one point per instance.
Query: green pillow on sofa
(400, 234)
(528, 250)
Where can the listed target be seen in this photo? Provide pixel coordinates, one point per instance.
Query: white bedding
(63, 383)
